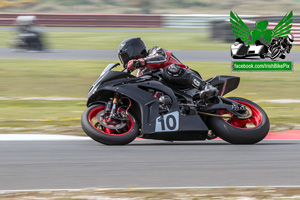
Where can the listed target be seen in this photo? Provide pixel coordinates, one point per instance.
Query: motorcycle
(28, 42)
(240, 50)
(122, 107)
(28, 37)
(276, 51)
(279, 47)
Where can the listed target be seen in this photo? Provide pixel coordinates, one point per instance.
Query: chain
(249, 114)
(224, 116)
(215, 115)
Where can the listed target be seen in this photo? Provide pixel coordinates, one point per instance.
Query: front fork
(111, 106)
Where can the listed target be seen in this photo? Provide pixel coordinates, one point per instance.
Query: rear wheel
(262, 56)
(108, 132)
(241, 131)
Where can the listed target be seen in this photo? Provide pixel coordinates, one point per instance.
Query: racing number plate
(167, 123)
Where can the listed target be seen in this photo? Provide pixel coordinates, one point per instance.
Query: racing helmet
(290, 38)
(131, 48)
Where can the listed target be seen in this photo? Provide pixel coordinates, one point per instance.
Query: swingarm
(237, 110)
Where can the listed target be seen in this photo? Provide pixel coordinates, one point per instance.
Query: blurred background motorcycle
(28, 36)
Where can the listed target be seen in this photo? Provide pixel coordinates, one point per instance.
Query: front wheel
(241, 131)
(275, 53)
(112, 134)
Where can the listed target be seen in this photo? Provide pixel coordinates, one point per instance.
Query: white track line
(48, 137)
(40, 137)
(279, 101)
(43, 98)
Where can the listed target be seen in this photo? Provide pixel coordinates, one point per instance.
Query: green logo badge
(261, 43)
(240, 29)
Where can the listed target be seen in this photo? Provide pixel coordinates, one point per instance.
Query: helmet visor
(124, 57)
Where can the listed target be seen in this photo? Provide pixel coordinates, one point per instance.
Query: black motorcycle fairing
(137, 90)
(110, 76)
(224, 84)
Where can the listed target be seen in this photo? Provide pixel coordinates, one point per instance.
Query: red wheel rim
(93, 121)
(252, 122)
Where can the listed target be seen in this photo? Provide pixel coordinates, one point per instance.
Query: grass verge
(111, 40)
(55, 78)
(255, 193)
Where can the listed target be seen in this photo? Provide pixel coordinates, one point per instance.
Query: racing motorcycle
(278, 49)
(122, 107)
(27, 42)
(28, 38)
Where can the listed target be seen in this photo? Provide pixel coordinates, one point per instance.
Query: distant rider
(28, 34)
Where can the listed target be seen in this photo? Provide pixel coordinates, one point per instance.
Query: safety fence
(295, 31)
(86, 20)
(119, 20)
(191, 21)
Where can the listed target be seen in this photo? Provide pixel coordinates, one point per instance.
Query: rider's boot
(206, 90)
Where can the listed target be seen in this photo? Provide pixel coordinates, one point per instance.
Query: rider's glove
(134, 64)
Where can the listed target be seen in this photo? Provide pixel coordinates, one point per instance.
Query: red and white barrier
(135, 21)
(86, 20)
(295, 31)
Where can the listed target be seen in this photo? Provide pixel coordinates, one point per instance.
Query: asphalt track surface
(88, 54)
(145, 163)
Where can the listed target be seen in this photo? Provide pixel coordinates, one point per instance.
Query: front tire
(107, 136)
(238, 131)
(275, 53)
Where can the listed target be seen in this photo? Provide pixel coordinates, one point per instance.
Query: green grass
(41, 116)
(111, 40)
(255, 7)
(35, 78)
(53, 78)
(259, 193)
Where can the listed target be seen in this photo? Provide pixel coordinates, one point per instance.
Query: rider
(133, 54)
(284, 42)
(26, 29)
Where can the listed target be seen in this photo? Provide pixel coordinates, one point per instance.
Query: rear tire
(236, 132)
(262, 56)
(113, 137)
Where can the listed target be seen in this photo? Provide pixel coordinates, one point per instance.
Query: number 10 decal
(168, 122)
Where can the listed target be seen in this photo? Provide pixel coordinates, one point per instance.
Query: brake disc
(246, 115)
(103, 120)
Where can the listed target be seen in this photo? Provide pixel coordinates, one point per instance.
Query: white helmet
(290, 38)
(25, 20)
